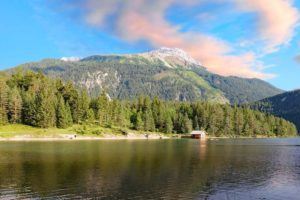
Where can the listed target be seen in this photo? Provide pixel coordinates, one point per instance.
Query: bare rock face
(171, 57)
(101, 80)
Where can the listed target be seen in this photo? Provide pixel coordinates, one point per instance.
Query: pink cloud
(277, 20)
(210, 51)
(135, 20)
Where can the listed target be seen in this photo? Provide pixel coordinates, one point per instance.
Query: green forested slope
(127, 78)
(36, 100)
(286, 105)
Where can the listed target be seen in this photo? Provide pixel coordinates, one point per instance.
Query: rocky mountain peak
(165, 52)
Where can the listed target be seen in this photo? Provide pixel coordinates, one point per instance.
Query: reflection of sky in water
(171, 169)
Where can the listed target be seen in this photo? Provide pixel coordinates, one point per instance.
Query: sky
(246, 38)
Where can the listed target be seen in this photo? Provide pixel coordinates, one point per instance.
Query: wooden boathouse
(198, 135)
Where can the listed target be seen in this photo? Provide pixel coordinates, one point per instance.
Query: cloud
(70, 59)
(297, 58)
(277, 20)
(143, 20)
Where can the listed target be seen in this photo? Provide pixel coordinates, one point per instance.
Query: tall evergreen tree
(83, 106)
(139, 123)
(45, 109)
(196, 123)
(187, 124)
(168, 124)
(103, 109)
(3, 102)
(148, 121)
(90, 115)
(63, 114)
(14, 105)
(28, 108)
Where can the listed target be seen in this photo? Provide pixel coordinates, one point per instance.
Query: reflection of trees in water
(115, 169)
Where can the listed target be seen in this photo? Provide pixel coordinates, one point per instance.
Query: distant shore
(74, 137)
(19, 132)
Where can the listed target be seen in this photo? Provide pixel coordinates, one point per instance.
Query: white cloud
(297, 58)
(70, 59)
(143, 20)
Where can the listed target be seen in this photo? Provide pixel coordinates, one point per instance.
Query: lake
(151, 169)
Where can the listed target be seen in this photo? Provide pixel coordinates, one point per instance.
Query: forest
(33, 99)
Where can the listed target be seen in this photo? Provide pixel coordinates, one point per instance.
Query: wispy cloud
(297, 58)
(143, 20)
(70, 59)
(276, 22)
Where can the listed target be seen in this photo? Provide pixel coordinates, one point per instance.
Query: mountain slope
(167, 73)
(285, 105)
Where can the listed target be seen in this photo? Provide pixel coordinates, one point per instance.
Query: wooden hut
(198, 135)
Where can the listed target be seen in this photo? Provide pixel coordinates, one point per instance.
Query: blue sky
(247, 39)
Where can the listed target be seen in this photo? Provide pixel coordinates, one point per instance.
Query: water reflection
(171, 169)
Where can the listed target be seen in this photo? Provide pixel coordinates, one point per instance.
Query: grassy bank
(24, 132)
(19, 132)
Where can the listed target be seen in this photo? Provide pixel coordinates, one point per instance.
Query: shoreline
(112, 137)
(19, 132)
(82, 138)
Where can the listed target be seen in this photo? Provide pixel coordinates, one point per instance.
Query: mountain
(168, 73)
(168, 57)
(285, 105)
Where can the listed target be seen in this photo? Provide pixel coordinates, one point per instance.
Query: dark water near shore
(156, 169)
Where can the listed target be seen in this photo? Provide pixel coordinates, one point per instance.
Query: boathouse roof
(198, 133)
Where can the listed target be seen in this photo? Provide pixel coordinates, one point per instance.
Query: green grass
(19, 130)
(95, 130)
(13, 130)
(212, 93)
(165, 74)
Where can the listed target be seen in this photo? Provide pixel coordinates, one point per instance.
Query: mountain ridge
(285, 105)
(170, 74)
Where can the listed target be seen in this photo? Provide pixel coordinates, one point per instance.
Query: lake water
(154, 169)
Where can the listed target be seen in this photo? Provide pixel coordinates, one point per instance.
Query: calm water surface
(161, 169)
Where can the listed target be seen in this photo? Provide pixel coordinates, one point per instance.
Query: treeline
(33, 99)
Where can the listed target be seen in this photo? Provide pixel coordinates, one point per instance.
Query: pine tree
(3, 102)
(187, 124)
(168, 124)
(83, 106)
(28, 108)
(148, 121)
(3, 116)
(90, 115)
(69, 115)
(63, 114)
(114, 112)
(139, 123)
(196, 123)
(45, 109)
(238, 122)
(103, 109)
(158, 113)
(227, 121)
(71, 96)
(120, 118)
(14, 105)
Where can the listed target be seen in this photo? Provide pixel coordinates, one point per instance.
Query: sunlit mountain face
(171, 74)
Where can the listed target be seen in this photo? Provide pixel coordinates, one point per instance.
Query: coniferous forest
(33, 99)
